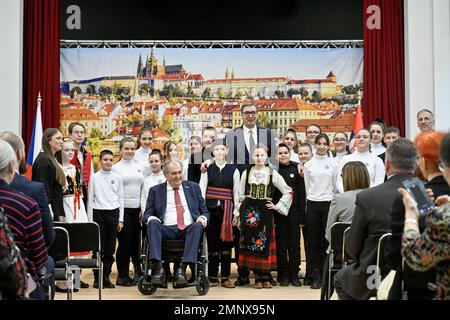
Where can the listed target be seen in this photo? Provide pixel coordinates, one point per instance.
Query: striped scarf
(226, 229)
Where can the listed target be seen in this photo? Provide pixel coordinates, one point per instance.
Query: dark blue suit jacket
(157, 200)
(36, 191)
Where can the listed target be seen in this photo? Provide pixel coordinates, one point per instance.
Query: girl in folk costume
(255, 214)
(73, 195)
(220, 188)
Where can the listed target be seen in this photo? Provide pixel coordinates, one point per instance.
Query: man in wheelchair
(175, 210)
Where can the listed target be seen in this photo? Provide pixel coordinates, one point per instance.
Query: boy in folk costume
(220, 188)
(256, 217)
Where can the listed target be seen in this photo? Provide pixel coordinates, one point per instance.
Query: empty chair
(335, 257)
(86, 237)
(60, 252)
(382, 264)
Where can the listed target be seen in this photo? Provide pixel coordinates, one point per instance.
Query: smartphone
(417, 191)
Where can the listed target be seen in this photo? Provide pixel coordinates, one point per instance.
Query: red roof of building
(197, 77)
(248, 79)
(340, 123)
(77, 114)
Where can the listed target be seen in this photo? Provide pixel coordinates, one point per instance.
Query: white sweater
(105, 193)
(133, 179)
(320, 177)
(149, 182)
(141, 156)
(373, 163)
(377, 149)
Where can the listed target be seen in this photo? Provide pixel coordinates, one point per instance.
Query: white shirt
(133, 179)
(105, 193)
(149, 182)
(141, 156)
(236, 179)
(377, 149)
(320, 178)
(373, 163)
(170, 217)
(247, 136)
(294, 156)
(338, 158)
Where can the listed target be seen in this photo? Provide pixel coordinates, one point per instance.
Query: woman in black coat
(48, 171)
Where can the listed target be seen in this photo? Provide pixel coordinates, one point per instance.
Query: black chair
(382, 267)
(60, 252)
(336, 257)
(172, 251)
(85, 237)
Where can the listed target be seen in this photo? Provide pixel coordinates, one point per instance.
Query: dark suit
(371, 220)
(240, 155)
(36, 191)
(44, 171)
(156, 231)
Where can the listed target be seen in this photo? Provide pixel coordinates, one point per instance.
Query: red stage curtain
(40, 64)
(384, 65)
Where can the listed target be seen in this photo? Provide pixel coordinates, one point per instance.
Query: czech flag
(358, 124)
(36, 139)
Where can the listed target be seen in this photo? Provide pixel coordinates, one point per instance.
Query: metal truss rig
(216, 44)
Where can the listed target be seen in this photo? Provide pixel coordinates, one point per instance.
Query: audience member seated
(371, 220)
(175, 210)
(356, 178)
(431, 248)
(36, 191)
(24, 219)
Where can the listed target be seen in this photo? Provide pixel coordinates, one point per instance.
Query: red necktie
(180, 210)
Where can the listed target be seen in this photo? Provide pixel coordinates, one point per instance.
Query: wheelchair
(172, 251)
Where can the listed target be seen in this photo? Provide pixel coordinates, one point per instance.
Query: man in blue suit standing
(175, 210)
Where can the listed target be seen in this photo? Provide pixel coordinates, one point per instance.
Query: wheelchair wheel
(145, 288)
(202, 285)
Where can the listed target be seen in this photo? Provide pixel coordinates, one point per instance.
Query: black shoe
(307, 281)
(272, 281)
(123, 282)
(95, 285)
(158, 277)
(284, 281)
(83, 285)
(180, 277)
(241, 281)
(295, 281)
(213, 281)
(316, 279)
(107, 284)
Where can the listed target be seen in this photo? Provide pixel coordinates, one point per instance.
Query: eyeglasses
(340, 139)
(249, 113)
(440, 165)
(312, 132)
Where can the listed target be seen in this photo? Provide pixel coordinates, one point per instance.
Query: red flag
(358, 124)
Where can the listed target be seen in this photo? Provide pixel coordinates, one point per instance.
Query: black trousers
(219, 251)
(107, 221)
(129, 246)
(308, 272)
(316, 221)
(287, 234)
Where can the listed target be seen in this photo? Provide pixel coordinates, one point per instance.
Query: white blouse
(149, 182)
(258, 176)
